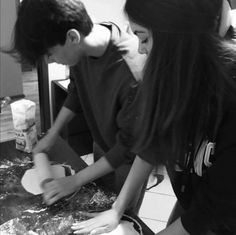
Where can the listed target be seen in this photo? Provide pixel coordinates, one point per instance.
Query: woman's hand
(58, 188)
(100, 223)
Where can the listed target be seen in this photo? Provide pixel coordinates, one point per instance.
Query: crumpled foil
(22, 213)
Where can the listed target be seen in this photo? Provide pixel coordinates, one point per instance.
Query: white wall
(10, 71)
(103, 10)
(233, 14)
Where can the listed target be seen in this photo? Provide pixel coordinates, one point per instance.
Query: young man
(105, 69)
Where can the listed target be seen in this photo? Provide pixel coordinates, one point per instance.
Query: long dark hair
(187, 75)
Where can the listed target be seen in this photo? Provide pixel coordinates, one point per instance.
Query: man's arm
(64, 116)
(139, 172)
(58, 188)
(44, 145)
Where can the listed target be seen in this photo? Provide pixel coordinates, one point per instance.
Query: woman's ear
(73, 36)
(226, 20)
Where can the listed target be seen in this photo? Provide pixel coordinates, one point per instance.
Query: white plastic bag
(23, 114)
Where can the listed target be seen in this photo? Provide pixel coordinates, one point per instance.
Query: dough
(30, 180)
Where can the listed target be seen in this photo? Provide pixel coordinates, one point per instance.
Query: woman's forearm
(139, 172)
(94, 171)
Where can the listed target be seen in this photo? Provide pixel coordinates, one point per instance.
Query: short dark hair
(42, 24)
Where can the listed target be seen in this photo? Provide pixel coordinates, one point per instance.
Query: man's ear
(226, 19)
(73, 36)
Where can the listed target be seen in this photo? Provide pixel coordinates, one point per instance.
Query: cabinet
(76, 133)
(10, 71)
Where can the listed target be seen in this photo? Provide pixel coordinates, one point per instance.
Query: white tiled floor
(88, 158)
(157, 203)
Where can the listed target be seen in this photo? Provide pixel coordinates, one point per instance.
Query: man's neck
(96, 43)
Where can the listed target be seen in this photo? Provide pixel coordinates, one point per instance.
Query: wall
(10, 71)
(102, 10)
(233, 14)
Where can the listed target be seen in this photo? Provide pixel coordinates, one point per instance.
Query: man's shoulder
(134, 60)
(126, 44)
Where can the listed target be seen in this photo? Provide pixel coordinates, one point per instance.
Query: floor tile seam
(163, 194)
(156, 220)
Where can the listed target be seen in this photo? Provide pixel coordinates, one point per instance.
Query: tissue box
(23, 113)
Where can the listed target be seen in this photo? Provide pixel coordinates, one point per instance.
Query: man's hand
(100, 223)
(58, 188)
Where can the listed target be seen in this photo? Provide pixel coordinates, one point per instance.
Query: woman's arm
(139, 172)
(108, 220)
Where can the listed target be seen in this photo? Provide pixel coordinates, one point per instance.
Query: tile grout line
(162, 221)
(163, 194)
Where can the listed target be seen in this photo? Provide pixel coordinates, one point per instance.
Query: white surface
(106, 10)
(65, 83)
(233, 15)
(42, 167)
(30, 180)
(124, 228)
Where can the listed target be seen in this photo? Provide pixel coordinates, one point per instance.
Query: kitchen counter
(60, 153)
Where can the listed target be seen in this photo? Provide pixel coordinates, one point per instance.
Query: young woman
(187, 115)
